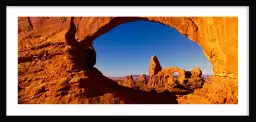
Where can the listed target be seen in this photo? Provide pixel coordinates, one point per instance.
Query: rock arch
(169, 72)
(165, 76)
(218, 36)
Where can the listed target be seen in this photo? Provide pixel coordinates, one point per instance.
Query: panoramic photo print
(127, 60)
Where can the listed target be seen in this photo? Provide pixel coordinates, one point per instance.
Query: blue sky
(127, 48)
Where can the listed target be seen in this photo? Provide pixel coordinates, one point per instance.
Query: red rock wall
(218, 36)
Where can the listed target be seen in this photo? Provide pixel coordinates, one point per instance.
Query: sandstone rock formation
(213, 34)
(142, 79)
(220, 90)
(170, 72)
(165, 77)
(195, 83)
(196, 72)
(129, 82)
(48, 49)
(181, 76)
(195, 80)
(154, 66)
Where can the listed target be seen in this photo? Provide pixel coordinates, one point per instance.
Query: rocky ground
(54, 79)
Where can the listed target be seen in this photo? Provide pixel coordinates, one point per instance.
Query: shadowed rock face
(90, 57)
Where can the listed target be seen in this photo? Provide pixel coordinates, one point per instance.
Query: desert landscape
(56, 63)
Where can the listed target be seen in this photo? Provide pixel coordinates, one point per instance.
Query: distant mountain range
(136, 77)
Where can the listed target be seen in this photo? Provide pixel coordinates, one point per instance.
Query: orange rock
(213, 34)
(142, 78)
(181, 76)
(129, 82)
(154, 66)
(196, 72)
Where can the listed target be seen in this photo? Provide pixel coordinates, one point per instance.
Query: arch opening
(175, 74)
(109, 44)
